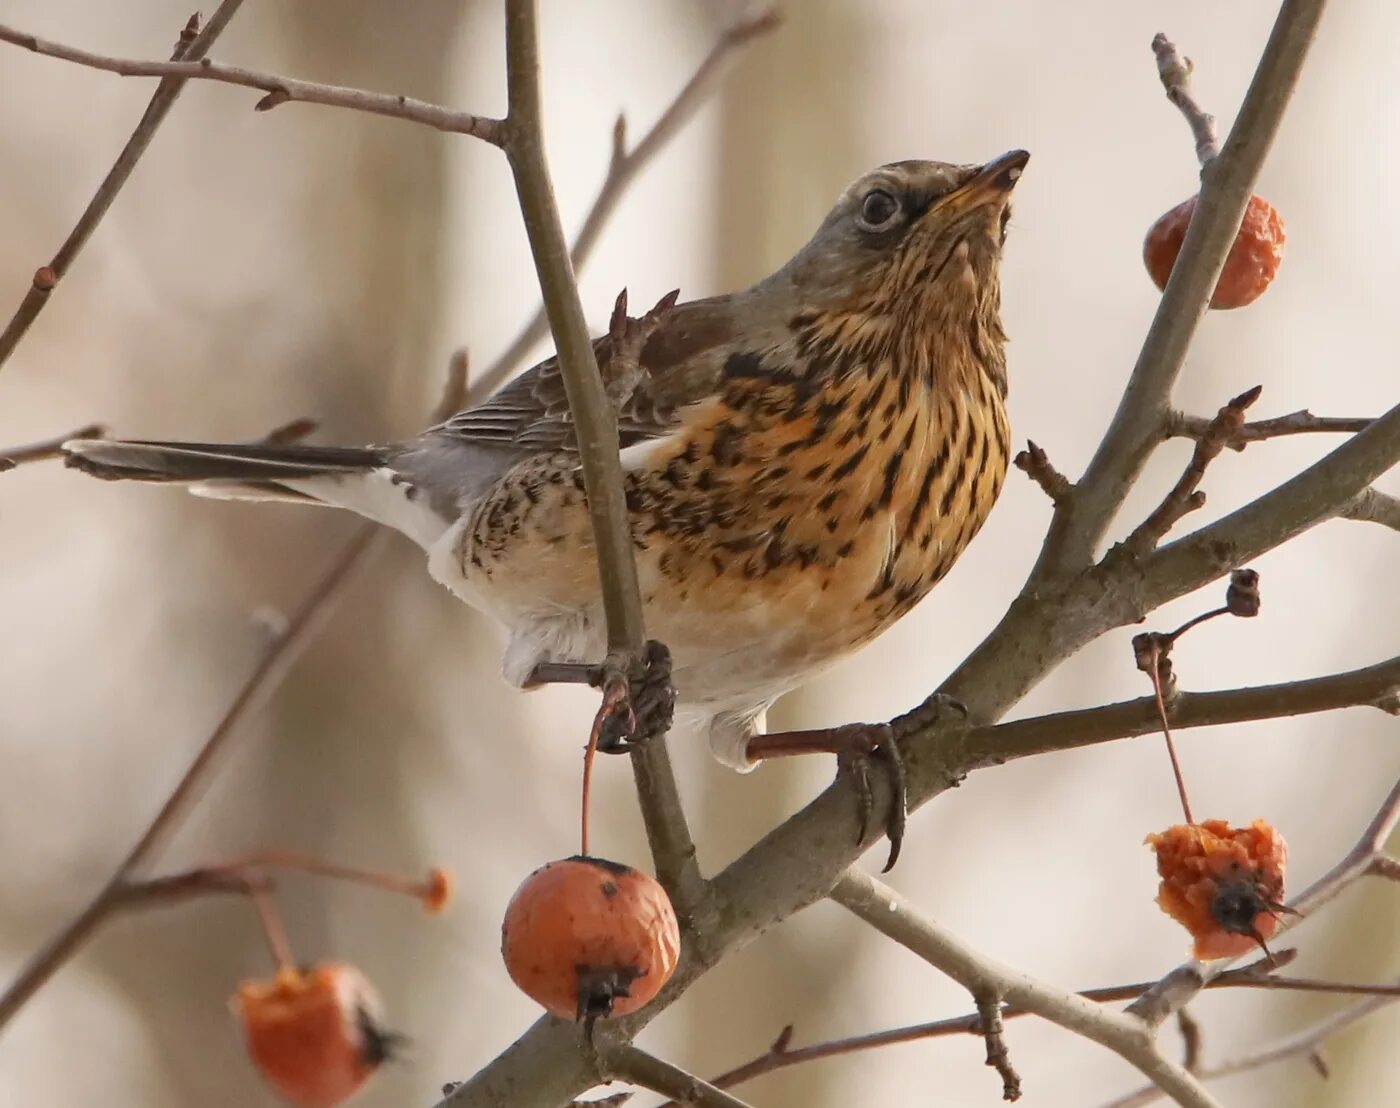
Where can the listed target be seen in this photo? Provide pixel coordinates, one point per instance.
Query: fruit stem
(614, 693)
(273, 929)
(1190, 623)
(1155, 674)
(306, 863)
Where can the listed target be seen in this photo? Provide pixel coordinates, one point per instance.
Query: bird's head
(912, 240)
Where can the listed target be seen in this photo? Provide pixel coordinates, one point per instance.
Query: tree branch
(1081, 524)
(1373, 685)
(1181, 425)
(1320, 492)
(1175, 72)
(13, 456)
(1301, 1043)
(635, 1066)
(1127, 1036)
(1374, 506)
(1036, 464)
(596, 425)
(1185, 496)
(279, 89)
(626, 165)
(1256, 975)
(266, 677)
(190, 47)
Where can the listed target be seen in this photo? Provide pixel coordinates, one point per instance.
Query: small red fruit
(314, 1034)
(588, 938)
(1249, 267)
(1223, 884)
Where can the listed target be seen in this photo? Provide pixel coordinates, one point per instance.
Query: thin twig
(625, 166)
(257, 689)
(989, 1026)
(1079, 527)
(13, 456)
(1256, 975)
(1190, 1041)
(996, 743)
(191, 46)
(279, 89)
(1318, 493)
(1035, 463)
(1185, 496)
(1303, 1043)
(311, 616)
(1181, 425)
(1175, 72)
(595, 422)
(1127, 1036)
(1374, 506)
(635, 1066)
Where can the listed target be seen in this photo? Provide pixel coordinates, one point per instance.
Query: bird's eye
(878, 210)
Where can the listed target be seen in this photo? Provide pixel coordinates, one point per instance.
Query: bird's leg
(856, 746)
(637, 705)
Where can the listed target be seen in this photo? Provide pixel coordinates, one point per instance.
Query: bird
(802, 459)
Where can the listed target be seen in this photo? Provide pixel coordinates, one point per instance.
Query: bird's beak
(990, 185)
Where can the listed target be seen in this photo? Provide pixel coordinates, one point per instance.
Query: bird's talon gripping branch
(856, 746)
(649, 698)
(933, 710)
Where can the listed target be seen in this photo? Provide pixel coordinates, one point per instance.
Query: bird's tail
(197, 462)
(360, 479)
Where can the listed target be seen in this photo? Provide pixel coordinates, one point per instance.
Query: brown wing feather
(682, 360)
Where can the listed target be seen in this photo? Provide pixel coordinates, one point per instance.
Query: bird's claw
(861, 744)
(636, 707)
(937, 707)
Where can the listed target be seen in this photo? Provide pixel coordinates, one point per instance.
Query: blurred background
(308, 261)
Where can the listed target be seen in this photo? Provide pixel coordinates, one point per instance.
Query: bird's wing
(682, 363)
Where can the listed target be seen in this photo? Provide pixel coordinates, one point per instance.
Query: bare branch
(989, 1026)
(1320, 492)
(1035, 463)
(1181, 425)
(1374, 506)
(1256, 975)
(893, 916)
(13, 456)
(1185, 495)
(992, 745)
(1175, 72)
(596, 424)
(637, 1067)
(266, 677)
(1082, 522)
(1190, 1041)
(1303, 1043)
(190, 47)
(626, 165)
(279, 89)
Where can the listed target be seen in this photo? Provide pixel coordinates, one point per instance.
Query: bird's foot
(639, 700)
(858, 747)
(648, 704)
(936, 708)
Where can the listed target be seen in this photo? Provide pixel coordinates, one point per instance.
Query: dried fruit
(1250, 266)
(588, 938)
(315, 1035)
(1223, 884)
(438, 891)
